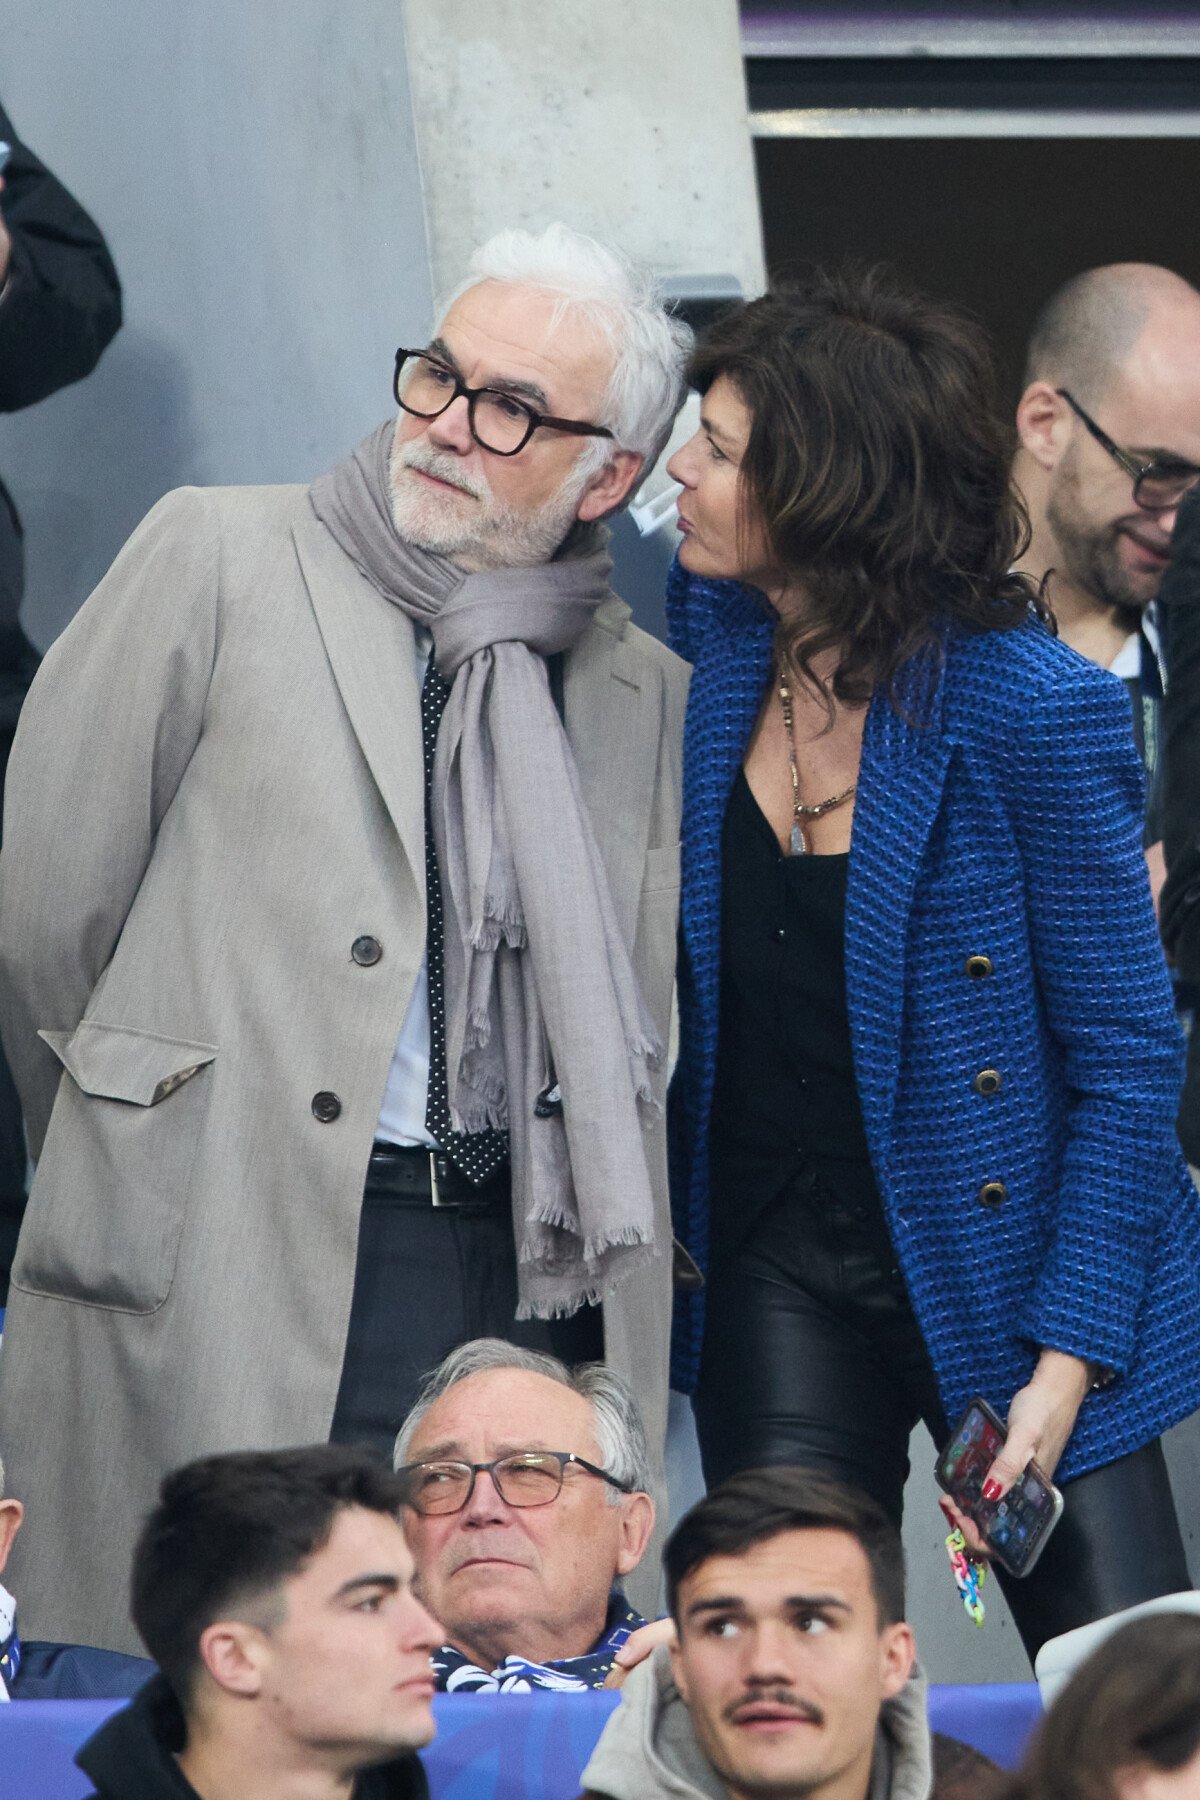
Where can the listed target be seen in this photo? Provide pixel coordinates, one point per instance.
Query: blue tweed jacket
(998, 815)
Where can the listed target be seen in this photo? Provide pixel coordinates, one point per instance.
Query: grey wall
(254, 169)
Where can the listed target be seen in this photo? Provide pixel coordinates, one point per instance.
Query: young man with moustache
(338, 992)
(527, 1506)
(274, 1590)
(793, 1674)
(1109, 442)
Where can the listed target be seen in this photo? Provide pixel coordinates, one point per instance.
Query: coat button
(366, 951)
(326, 1107)
(993, 1193)
(978, 967)
(987, 1083)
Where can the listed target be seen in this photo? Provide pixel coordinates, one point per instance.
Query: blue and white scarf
(10, 1644)
(455, 1673)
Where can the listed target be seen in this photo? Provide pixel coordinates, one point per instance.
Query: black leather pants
(812, 1355)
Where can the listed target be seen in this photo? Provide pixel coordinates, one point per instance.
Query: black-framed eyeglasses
(498, 420)
(523, 1478)
(1157, 485)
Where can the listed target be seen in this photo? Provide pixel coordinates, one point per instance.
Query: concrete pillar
(624, 120)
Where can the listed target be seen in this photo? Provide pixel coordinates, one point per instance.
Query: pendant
(799, 844)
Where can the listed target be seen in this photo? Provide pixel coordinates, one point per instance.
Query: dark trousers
(812, 1355)
(427, 1280)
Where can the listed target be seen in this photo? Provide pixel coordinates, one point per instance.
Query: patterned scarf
(454, 1673)
(10, 1644)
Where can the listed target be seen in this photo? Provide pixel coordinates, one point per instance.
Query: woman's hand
(637, 1647)
(1040, 1420)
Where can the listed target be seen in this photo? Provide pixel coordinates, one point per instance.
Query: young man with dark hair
(274, 1590)
(793, 1673)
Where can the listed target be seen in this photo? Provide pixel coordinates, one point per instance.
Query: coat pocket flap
(114, 1062)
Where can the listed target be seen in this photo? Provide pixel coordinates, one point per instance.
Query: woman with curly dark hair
(922, 1123)
(1127, 1724)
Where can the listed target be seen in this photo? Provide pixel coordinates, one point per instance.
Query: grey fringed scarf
(539, 985)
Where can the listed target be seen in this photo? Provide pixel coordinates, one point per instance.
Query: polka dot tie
(478, 1154)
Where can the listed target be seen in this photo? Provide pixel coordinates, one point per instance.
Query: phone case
(1015, 1528)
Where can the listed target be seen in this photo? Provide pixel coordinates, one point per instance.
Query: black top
(786, 1103)
(1179, 612)
(132, 1756)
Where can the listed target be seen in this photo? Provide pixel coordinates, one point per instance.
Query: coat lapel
(613, 707)
(369, 643)
(900, 785)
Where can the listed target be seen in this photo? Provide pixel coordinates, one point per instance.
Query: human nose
(452, 428)
(765, 1659)
(419, 1629)
(682, 465)
(485, 1504)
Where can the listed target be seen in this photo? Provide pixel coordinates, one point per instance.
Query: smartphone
(1016, 1528)
(5, 153)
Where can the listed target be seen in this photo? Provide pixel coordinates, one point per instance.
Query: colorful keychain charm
(969, 1575)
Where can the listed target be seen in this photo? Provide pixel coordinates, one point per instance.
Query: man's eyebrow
(441, 349)
(794, 1602)
(526, 390)
(389, 1582)
(451, 1450)
(718, 1603)
(814, 1602)
(1156, 453)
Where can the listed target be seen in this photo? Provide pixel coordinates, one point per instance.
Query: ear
(610, 486)
(1043, 424)
(637, 1522)
(897, 1653)
(679, 1673)
(235, 1656)
(11, 1515)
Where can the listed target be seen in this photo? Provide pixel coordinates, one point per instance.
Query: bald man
(1109, 430)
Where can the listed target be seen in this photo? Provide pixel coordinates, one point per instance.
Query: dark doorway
(995, 224)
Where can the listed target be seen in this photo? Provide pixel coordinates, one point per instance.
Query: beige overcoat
(216, 788)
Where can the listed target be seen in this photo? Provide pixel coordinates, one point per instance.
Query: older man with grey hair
(527, 1506)
(337, 927)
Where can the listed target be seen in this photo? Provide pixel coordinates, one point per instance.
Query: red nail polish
(992, 1490)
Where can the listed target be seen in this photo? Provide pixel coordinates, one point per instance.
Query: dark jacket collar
(132, 1757)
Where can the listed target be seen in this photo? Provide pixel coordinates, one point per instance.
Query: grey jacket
(217, 786)
(648, 1750)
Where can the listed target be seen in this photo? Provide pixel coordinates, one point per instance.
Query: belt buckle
(435, 1192)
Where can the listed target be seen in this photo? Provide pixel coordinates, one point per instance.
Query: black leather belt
(407, 1175)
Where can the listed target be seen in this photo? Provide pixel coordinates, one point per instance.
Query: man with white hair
(337, 922)
(527, 1506)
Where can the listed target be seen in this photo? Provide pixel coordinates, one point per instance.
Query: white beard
(472, 527)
